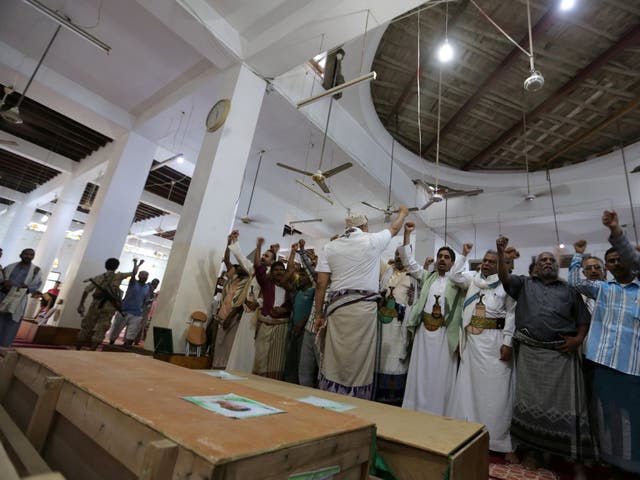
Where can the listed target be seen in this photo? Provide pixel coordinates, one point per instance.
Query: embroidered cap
(356, 220)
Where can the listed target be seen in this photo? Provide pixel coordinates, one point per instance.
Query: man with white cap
(352, 264)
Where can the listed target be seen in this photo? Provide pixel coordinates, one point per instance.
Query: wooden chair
(196, 334)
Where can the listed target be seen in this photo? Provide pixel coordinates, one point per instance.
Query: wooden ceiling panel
(145, 212)
(589, 58)
(21, 174)
(168, 183)
(51, 130)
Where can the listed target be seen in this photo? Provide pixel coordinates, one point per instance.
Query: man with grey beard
(550, 410)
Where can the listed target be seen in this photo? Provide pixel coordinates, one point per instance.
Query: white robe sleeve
(408, 260)
(244, 262)
(459, 276)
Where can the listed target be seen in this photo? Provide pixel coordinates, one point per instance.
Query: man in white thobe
(483, 390)
(435, 321)
(400, 291)
(352, 264)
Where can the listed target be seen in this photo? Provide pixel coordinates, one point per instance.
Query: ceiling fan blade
(294, 169)
(338, 169)
(317, 193)
(9, 142)
(305, 221)
(414, 209)
(465, 193)
(430, 201)
(374, 207)
(422, 184)
(321, 183)
(254, 219)
(557, 190)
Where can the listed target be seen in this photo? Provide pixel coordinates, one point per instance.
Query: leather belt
(430, 323)
(272, 321)
(478, 324)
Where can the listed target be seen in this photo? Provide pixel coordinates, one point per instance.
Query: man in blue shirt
(613, 350)
(138, 293)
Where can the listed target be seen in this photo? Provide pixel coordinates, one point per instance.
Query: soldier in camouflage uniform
(107, 297)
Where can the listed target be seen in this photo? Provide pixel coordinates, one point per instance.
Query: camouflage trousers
(96, 322)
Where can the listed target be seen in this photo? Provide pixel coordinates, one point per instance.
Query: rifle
(109, 296)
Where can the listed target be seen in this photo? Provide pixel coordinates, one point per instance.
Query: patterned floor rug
(518, 472)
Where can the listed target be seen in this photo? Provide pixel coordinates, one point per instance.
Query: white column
(11, 248)
(209, 208)
(105, 232)
(58, 224)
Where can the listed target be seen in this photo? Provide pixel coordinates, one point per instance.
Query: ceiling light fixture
(44, 218)
(535, 80)
(180, 159)
(567, 5)
(66, 23)
(445, 52)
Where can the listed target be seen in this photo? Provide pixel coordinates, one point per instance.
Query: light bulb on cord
(561, 245)
(44, 218)
(567, 5)
(445, 52)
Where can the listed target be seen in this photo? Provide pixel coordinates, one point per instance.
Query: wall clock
(218, 114)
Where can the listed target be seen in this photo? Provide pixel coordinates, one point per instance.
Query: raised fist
(501, 244)
(580, 246)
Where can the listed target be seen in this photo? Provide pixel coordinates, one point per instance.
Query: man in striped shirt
(630, 255)
(613, 348)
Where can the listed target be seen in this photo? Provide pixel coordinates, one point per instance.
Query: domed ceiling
(589, 57)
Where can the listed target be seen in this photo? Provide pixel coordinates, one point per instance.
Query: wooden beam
(544, 24)
(630, 38)
(159, 460)
(18, 443)
(46, 476)
(6, 466)
(629, 107)
(42, 416)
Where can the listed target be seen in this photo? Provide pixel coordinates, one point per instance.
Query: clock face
(218, 115)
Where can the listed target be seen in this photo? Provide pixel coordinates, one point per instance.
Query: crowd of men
(550, 367)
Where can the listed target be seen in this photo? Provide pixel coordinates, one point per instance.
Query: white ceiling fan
(529, 196)
(389, 211)
(5, 108)
(12, 114)
(320, 176)
(442, 193)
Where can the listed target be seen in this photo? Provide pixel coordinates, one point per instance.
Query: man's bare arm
(503, 266)
(395, 227)
(321, 289)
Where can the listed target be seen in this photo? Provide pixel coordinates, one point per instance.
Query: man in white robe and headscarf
(351, 264)
(483, 392)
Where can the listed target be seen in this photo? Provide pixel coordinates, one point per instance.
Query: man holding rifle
(107, 299)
